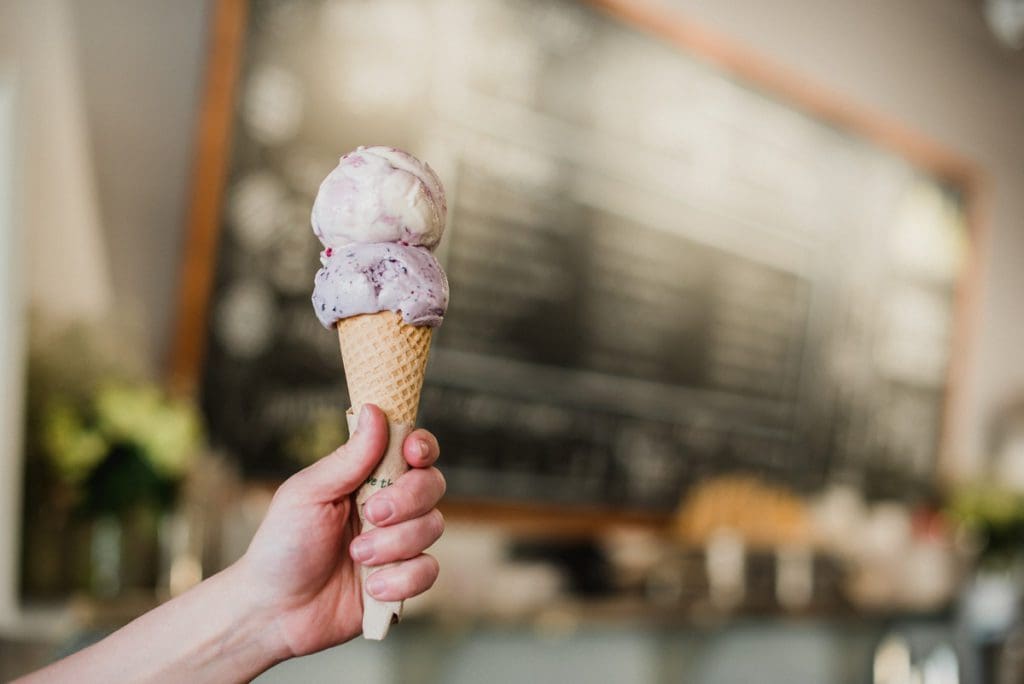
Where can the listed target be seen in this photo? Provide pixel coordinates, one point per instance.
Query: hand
(302, 567)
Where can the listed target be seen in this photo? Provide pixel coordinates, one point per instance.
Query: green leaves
(74, 447)
(996, 516)
(122, 446)
(165, 431)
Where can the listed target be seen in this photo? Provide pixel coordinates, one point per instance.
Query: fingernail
(378, 510)
(364, 417)
(424, 449)
(376, 585)
(362, 549)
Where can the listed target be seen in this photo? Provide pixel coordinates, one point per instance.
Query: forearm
(210, 634)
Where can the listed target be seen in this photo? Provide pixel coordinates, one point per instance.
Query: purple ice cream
(379, 214)
(367, 278)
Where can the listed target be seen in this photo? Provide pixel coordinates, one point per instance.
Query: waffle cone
(384, 359)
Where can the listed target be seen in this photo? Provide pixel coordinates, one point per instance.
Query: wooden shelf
(552, 521)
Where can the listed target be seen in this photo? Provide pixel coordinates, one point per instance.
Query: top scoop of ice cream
(380, 194)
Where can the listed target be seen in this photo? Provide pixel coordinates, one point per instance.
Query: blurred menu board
(657, 273)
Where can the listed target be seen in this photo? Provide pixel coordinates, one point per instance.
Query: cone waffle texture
(385, 359)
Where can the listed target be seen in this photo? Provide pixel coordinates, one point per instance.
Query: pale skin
(296, 590)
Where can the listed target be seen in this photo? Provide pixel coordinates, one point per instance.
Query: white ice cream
(380, 194)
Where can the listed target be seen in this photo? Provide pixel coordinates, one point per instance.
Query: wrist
(254, 634)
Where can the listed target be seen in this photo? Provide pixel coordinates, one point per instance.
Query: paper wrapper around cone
(384, 359)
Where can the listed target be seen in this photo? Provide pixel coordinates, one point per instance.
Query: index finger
(420, 449)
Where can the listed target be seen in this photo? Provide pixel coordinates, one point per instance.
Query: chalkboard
(659, 270)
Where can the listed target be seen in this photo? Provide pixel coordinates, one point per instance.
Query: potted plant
(118, 456)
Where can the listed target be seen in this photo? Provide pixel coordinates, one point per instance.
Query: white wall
(141, 66)
(60, 218)
(12, 348)
(11, 335)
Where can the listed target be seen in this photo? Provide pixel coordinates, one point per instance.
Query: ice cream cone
(384, 359)
(379, 215)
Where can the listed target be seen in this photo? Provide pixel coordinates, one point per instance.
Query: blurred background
(730, 385)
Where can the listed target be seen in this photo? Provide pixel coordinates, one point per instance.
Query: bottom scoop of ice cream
(369, 278)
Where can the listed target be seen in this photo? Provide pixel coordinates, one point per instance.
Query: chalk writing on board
(657, 273)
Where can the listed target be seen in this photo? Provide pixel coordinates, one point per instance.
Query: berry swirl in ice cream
(380, 194)
(367, 278)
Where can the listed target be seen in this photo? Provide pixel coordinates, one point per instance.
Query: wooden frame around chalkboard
(213, 138)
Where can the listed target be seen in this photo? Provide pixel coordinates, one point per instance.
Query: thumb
(343, 471)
